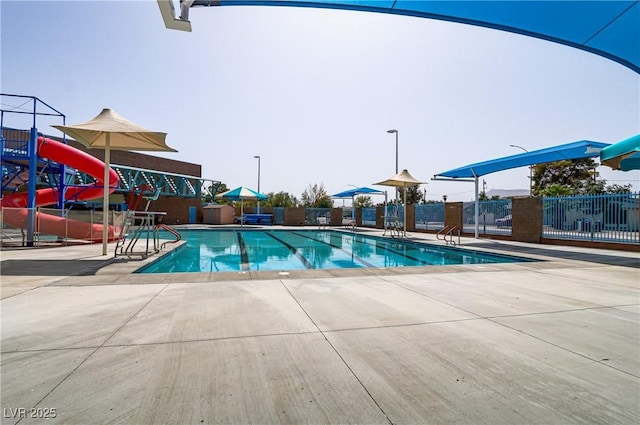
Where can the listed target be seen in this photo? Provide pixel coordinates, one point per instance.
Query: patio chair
(349, 222)
(322, 221)
(393, 227)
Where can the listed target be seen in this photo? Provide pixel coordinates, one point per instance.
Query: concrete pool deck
(550, 342)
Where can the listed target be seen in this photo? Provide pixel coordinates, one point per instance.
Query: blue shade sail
(357, 191)
(607, 28)
(575, 150)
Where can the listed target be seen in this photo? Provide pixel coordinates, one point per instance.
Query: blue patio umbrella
(240, 194)
(351, 193)
(624, 155)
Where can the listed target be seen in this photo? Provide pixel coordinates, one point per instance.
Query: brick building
(179, 209)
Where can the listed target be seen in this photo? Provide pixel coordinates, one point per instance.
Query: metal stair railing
(448, 231)
(139, 225)
(175, 233)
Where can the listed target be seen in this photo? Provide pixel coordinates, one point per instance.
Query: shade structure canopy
(575, 150)
(402, 180)
(110, 130)
(123, 134)
(568, 151)
(624, 155)
(241, 194)
(603, 27)
(352, 193)
(357, 191)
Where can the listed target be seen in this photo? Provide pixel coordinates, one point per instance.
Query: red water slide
(14, 206)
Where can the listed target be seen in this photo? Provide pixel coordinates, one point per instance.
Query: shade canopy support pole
(477, 210)
(105, 200)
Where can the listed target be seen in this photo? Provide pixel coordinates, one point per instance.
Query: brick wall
(379, 217)
(453, 214)
(294, 216)
(130, 159)
(411, 217)
(336, 217)
(358, 216)
(140, 160)
(527, 219)
(177, 209)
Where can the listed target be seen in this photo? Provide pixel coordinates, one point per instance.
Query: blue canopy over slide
(575, 150)
(607, 28)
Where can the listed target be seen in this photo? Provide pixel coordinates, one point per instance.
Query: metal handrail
(170, 230)
(140, 223)
(448, 231)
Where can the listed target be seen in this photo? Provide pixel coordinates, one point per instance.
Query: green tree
(571, 177)
(617, 188)
(556, 190)
(414, 195)
(363, 201)
(577, 176)
(209, 193)
(281, 199)
(315, 196)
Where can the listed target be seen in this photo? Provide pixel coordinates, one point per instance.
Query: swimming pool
(252, 250)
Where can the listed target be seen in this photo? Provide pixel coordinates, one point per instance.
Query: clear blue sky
(314, 91)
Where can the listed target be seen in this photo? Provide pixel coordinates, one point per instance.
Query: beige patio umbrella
(402, 180)
(109, 130)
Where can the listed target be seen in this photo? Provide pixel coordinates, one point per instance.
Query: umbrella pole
(404, 214)
(105, 200)
(397, 207)
(241, 212)
(384, 217)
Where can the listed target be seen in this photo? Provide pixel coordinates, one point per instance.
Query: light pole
(258, 157)
(396, 133)
(530, 170)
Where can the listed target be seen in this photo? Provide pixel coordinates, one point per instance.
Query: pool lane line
(386, 246)
(295, 252)
(244, 257)
(351, 254)
(443, 253)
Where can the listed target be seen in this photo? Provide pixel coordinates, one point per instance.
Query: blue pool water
(251, 250)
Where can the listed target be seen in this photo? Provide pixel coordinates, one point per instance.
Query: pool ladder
(447, 234)
(139, 226)
(175, 233)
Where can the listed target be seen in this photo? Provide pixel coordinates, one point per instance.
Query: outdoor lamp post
(530, 170)
(396, 133)
(258, 157)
